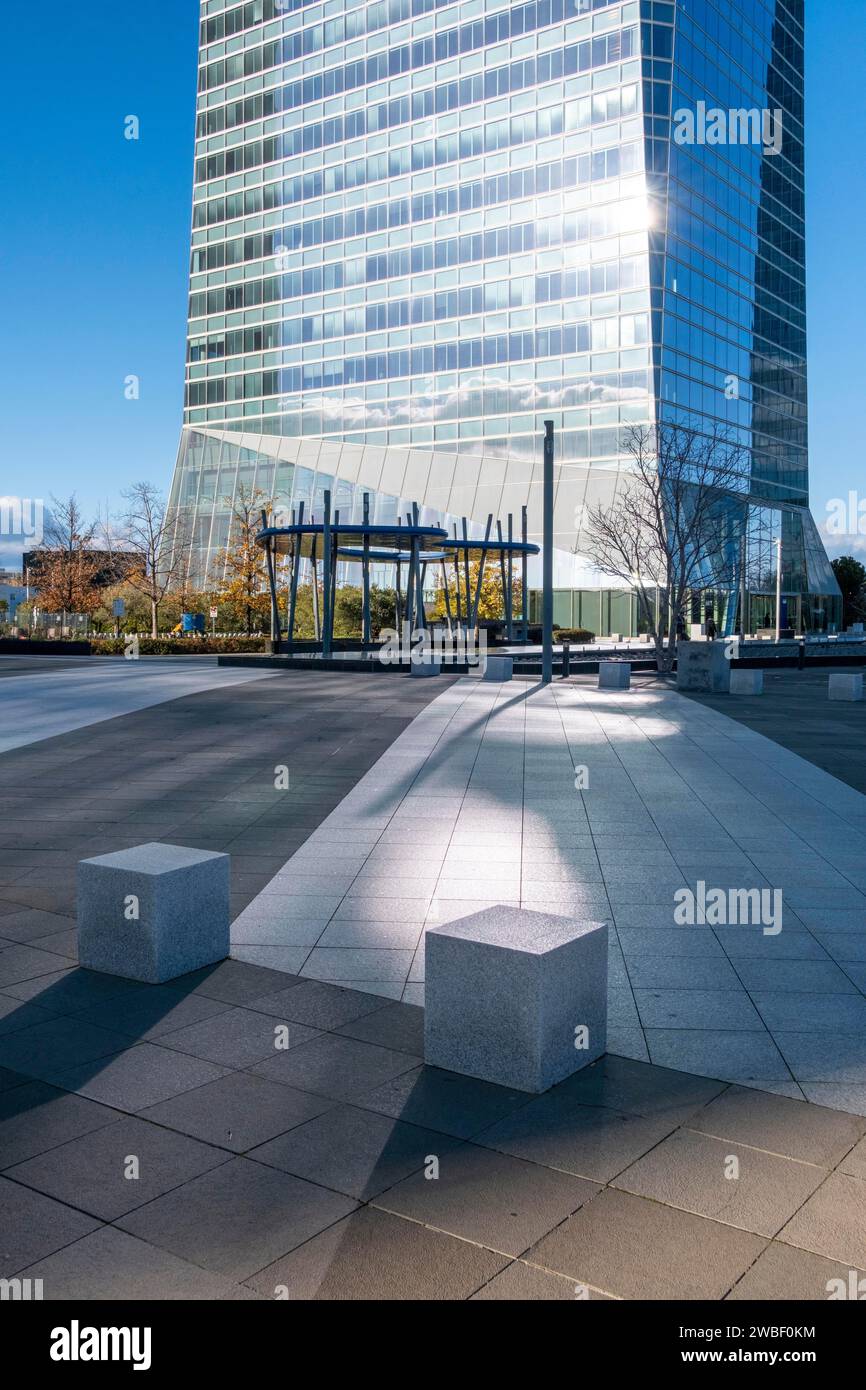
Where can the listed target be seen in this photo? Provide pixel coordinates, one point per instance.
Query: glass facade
(420, 229)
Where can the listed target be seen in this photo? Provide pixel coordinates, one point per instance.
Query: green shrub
(573, 634)
(178, 646)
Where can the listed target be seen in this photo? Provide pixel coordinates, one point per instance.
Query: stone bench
(153, 912)
(744, 682)
(614, 675)
(515, 997)
(845, 685)
(499, 668)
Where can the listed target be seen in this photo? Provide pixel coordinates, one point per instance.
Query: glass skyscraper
(422, 228)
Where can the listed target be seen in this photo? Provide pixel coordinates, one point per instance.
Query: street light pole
(547, 569)
(778, 545)
(743, 587)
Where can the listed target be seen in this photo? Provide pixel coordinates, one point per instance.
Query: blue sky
(95, 244)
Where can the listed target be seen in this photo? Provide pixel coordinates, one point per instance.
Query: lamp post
(778, 545)
(743, 587)
(547, 564)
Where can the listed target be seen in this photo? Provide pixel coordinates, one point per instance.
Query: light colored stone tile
(390, 935)
(345, 964)
(726, 1055)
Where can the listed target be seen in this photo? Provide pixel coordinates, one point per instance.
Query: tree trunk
(154, 615)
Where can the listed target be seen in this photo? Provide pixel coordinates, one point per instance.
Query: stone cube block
(845, 685)
(703, 666)
(153, 912)
(745, 682)
(499, 668)
(614, 675)
(515, 997)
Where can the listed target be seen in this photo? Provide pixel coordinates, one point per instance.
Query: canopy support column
(328, 615)
(365, 630)
(272, 581)
(296, 573)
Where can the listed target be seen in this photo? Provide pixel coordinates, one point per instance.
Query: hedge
(573, 634)
(180, 646)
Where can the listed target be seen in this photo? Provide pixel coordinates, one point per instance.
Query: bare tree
(152, 532)
(669, 526)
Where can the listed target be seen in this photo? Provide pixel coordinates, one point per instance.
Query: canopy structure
(410, 548)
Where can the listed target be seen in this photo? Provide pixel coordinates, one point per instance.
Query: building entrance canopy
(306, 539)
(412, 546)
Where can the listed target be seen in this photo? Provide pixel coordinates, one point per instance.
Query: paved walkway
(198, 771)
(284, 1126)
(475, 803)
(794, 710)
(47, 696)
(338, 1166)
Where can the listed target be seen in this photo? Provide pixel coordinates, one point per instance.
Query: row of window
(760, 233)
(617, 46)
(568, 339)
(401, 58)
(464, 144)
(353, 23)
(349, 26)
(603, 399)
(691, 284)
(689, 329)
(592, 224)
(785, 288)
(498, 408)
(685, 378)
(765, 382)
(602, 278)
(686, 231)
(534, 181)
(768, 333)
(580, 114)
(517, 435)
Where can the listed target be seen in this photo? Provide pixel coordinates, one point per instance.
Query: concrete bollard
(153, 912)
(845, 685)
(515, 997)
(498, 668)
(614, 675)
(746, 682)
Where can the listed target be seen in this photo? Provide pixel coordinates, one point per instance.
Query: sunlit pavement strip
(475, 804)
(55, 701)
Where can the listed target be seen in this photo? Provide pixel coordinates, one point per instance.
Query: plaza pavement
(47, 696)
(475, 803)
(304, 1171)
(794, 710)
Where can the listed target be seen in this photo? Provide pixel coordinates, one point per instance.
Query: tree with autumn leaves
(240, 570)
(66, 568)
(492, 601)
